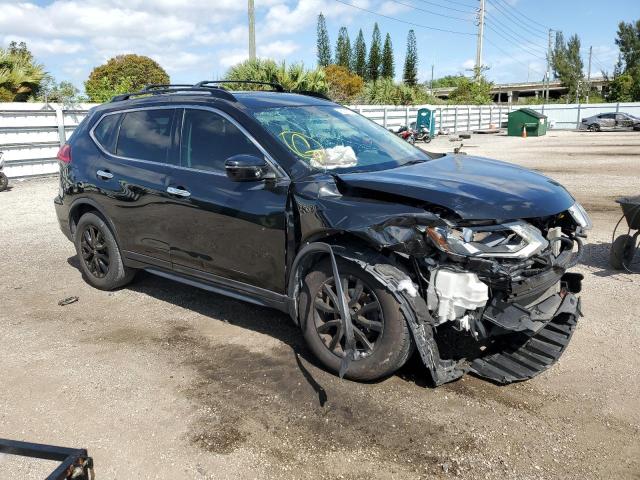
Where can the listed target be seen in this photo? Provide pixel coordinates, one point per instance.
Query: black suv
(372, 246)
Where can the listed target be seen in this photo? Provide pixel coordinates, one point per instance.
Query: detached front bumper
(511, 317)
(544, 331)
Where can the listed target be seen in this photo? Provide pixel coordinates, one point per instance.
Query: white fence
(466, 118)
(31, 133)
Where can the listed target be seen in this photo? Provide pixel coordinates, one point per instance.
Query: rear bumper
(62, 212)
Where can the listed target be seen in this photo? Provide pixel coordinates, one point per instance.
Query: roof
(249, 99)
(529, 112)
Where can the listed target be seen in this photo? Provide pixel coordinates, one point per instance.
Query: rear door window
(209, 139)
(106, 132)
(146, 135)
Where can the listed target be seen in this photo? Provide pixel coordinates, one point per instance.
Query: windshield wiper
(412, 162)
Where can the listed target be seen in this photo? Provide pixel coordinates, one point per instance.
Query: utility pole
(431, 83)
(589, 73)
(478, 71)
(548, 74)
(252, 31)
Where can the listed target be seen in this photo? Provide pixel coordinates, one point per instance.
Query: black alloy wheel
(366, 316)
(95, 252)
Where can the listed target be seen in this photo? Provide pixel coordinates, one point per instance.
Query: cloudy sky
(200, 39)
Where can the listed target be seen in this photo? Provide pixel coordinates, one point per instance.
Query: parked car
(372, 246)
(610, 121)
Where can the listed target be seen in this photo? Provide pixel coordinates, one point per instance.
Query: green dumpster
(534, 122)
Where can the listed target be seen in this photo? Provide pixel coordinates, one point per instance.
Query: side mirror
(247, 168)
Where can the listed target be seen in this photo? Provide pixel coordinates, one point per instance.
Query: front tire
(100, 259)
(383, 339)
(4, 182)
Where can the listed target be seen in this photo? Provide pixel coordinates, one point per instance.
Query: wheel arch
(85, 205)
(340, 245)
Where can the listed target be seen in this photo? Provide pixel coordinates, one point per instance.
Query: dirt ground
(160, 380)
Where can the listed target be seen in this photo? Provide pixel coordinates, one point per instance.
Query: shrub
(385, 92)
(344, 86)
(470, 92)
(122, 74)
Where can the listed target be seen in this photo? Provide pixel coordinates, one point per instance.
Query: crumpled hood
(475, 188)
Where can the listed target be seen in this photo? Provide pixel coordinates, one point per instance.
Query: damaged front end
(489, 297)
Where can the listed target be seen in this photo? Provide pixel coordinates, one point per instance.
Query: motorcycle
(407, 134)
(423, 135)
(4, 181)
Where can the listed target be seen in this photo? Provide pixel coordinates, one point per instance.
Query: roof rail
(162, 89)
(276, 86)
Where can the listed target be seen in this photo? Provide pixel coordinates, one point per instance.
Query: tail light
(64, 154)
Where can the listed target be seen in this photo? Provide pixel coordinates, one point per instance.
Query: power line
(446, 7)
(461, 3)
(405, 21)
(512, 18)
(518, 41)
(530, 45)
(510, 56)
(498, 21)
(599, 62)
(545, 27)
(432, 12)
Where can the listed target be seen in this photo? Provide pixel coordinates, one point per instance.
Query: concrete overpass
(512, 92)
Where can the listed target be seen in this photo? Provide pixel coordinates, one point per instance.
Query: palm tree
(293, 77)
(20, 74)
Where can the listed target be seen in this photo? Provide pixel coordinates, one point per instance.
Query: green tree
(323, 43)
(375, 55)
(625, 85)
(294, 77)
(359, 56)
(122, 74)
(567, 62)
(343, 48)
(20, 74)
(410, 74)
(470, 92)
(63, 92)
(388, 68)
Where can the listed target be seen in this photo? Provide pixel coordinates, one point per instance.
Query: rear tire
(389, 335)
(4, 182)
(99, 256)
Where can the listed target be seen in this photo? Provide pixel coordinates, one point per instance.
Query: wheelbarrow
(625, 247)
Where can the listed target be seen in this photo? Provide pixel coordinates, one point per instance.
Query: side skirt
(210, 282)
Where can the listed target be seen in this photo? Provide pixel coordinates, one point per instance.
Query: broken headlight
(580, 215)
(517, 240)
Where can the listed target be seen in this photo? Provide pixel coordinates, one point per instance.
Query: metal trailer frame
(74, 462)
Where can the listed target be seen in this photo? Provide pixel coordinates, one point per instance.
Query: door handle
(178, 191)
(104, 174)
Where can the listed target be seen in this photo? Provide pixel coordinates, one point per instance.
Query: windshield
(333, 138)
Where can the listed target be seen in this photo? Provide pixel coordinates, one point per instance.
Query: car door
(223, 228)
(623, 121)
(133, 178)
(608, 120)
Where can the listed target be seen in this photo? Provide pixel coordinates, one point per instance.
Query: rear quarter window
(106, 132)
(146, 135)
